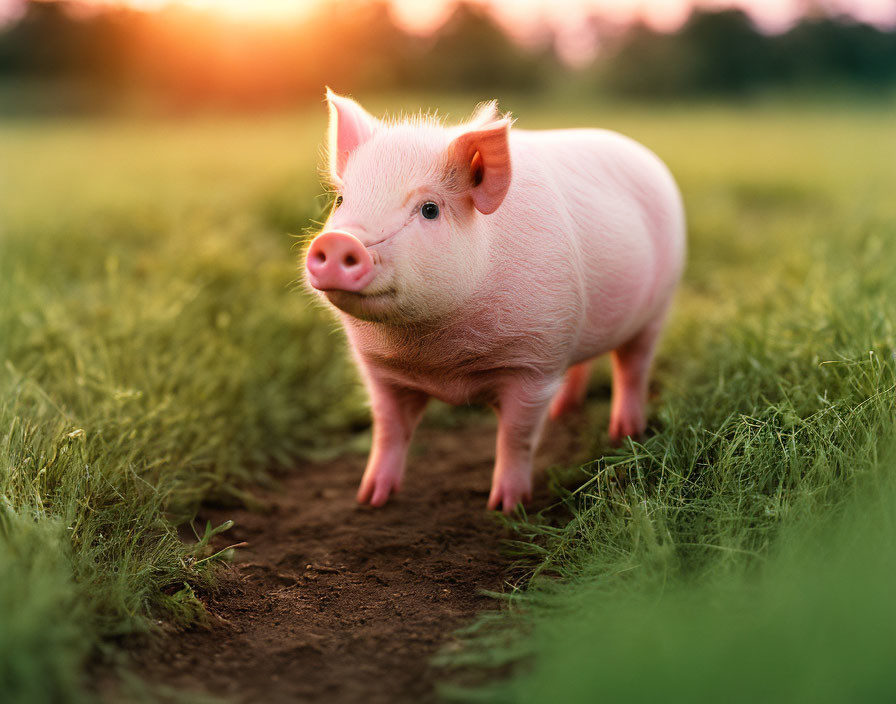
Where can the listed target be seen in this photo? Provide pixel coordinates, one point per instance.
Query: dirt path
(339, 603)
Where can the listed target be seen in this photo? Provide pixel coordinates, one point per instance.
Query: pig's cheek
(385, 258)
(438, 236)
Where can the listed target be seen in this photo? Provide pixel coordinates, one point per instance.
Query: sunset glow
(261, 10)
(525, 15)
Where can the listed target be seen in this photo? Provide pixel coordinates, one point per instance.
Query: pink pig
(481, 263)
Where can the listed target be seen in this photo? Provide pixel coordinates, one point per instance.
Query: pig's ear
(479, 160)
(350, 126)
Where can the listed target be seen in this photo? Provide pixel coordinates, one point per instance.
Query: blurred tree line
(189, 59)
(722, 53)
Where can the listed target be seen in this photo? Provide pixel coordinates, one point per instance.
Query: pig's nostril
(350, 260)
(320, 256)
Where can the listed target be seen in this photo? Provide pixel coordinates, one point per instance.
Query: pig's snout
(338, 261)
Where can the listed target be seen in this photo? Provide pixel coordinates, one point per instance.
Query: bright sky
(528, 16)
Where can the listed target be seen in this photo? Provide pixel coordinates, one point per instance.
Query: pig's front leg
(522, 409)
(396, 412)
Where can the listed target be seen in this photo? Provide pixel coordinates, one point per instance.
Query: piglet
(484, 263)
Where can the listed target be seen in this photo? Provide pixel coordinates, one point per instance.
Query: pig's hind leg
(631, 373)
(396, 413)
(571, 395)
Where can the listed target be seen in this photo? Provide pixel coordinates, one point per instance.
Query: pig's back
(619, 207)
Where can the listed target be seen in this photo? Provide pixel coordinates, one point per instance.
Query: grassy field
(156, 350)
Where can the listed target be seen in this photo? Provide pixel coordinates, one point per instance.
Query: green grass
(155, 350)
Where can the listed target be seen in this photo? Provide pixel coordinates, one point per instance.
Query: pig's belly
(613, 315)
(623, 297)
(457, 386)
(607, 329)
(601, 335)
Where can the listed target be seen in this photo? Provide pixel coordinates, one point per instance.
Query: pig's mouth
(365, 306)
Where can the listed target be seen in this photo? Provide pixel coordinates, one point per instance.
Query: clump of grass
(42, 646)
(812, 621)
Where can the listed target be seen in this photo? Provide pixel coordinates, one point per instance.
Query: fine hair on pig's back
(603, 215)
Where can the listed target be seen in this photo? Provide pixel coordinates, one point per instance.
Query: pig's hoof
(626, 426)
(506, 496)
(377, 490)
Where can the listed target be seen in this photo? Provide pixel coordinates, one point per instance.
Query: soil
(334, 602)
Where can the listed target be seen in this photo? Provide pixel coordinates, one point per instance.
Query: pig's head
(407, 240)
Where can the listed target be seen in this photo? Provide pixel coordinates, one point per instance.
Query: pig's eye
(338, 201)
(429, 210)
